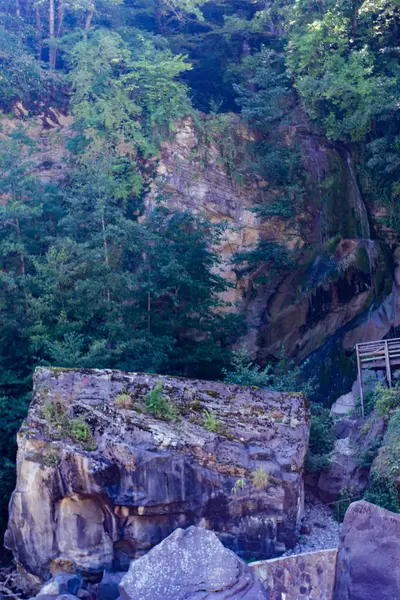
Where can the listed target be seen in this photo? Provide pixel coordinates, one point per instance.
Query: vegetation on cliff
(85, 280)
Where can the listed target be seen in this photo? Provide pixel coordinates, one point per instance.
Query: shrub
(386, 399)
(322, 432)
(240, 484)
(259, 479)
(283, 376)
(157, 404)
(211, 422)
(322, 439)
(316, 463)
(123, 401)
(62, 426)
(80, 431)
(340, 507)
(368, 456)
(383, 492)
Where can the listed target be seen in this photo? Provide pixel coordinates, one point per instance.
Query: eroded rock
(191, 565)
(62, 583)
(309, 576)
(369, 554)
(350, 466)
(127, 479)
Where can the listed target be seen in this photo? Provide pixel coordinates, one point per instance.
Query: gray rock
(191, 564)
(108, 587)
(343, 428)
(67, 597)
(62, 583)
(343, 405)
(369, 554)
(95, 507)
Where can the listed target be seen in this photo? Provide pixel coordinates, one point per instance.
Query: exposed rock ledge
(100, 480)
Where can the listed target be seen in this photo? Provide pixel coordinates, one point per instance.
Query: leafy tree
(281, 376)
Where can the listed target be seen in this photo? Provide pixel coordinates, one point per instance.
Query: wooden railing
(379, 355)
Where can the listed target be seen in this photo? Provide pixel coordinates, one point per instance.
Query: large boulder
(343, 405)
(101, 480)
(368, 561)
(191, 565)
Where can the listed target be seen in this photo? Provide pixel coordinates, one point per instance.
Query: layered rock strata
(101, 479)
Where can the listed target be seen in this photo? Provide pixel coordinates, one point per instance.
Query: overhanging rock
(101, 480)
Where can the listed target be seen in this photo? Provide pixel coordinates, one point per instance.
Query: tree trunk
(17, 8)
(89, 17)
(103, 226)
(38, 32)
(52, 53)
(23, 268)
(60, 23)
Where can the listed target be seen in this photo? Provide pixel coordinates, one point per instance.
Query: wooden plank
(360, 382)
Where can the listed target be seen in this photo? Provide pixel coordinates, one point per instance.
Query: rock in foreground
(101, 479)
(368, 563)
(191, 565)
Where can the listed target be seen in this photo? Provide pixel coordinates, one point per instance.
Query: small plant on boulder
(158, 406)
(211, 422)
(123, 401)
(62, 426)
(259, 479)
(240, 484)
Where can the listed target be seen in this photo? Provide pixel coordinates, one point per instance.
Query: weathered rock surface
(108, 586)
(95, 499)
(309, 576)
(368, 564)
(349, 466)
(343, 405)
(191, 565)
(62, 583)
(327, 290)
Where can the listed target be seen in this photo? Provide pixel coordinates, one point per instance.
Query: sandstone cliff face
(340, 293)
(101, 481)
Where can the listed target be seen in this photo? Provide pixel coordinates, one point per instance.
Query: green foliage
(211, 422)
(387, 399)
(283, 376)
(383, 492)
(368, 456)
(322, 433)
(322, 439)
(240, 485)
(50, 459)
(123, 401)
(12, 412)
(244, 371)
(340, 507)
(315, 463)
(62, 426)
(259, 479)
(158, 406)
(383, 483)
(80, 432)
(123, 92)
